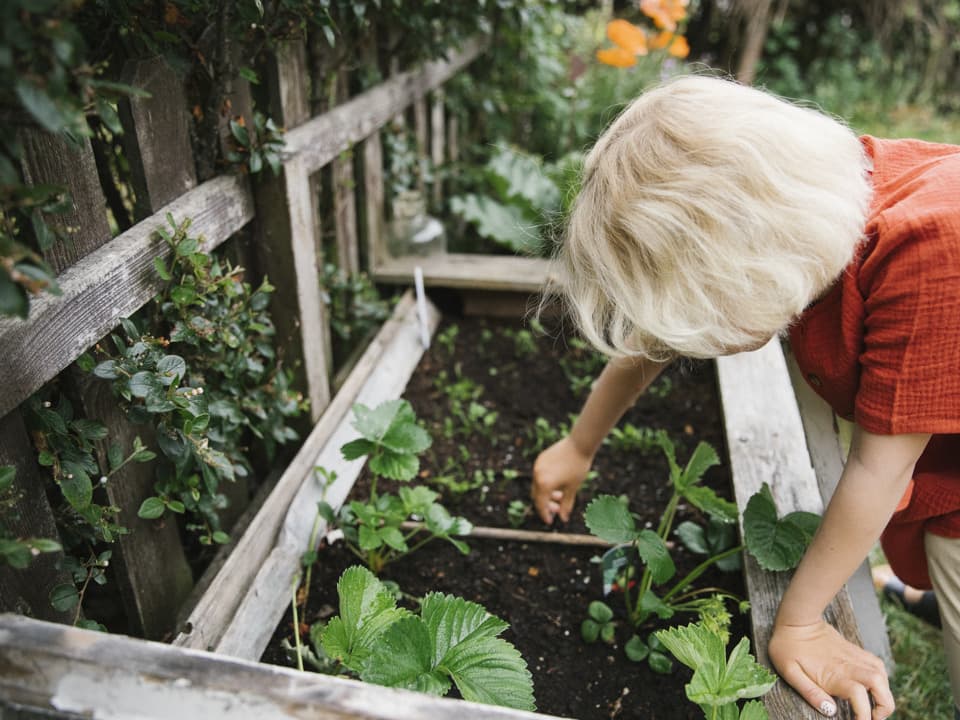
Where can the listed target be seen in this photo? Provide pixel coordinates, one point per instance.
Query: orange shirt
(883, 345)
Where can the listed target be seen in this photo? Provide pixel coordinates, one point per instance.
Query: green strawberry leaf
(609, 519)
(777, 544)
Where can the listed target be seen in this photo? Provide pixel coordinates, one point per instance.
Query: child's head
(711, 214)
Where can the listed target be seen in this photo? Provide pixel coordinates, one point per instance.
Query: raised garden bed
(533, 383)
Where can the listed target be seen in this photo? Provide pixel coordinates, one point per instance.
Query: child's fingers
(815, 696)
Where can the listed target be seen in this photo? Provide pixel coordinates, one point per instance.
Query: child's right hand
(558, 473)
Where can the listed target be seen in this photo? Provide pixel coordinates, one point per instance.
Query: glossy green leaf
(777, 544)
(151, 508)
(64, 597)
(655, 555)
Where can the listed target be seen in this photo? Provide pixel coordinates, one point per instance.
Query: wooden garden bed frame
(49, 670)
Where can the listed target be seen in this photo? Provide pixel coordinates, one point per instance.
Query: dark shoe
(925, 608)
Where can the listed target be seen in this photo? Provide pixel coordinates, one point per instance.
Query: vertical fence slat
(437, 142)
(27, 591)
(151, 569)
(420, 132)
(156, 136)
(373, 200)
(51, 159)
(345, 202)
(288, 247)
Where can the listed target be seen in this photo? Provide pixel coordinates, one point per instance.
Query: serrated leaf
(357, 449)
(655, 555)
(703, 458)
(491, 670)
(453, 620)
(693, 644)
(808, 522)
(609, 519)
(651, 604)
(403, 657)
(736, 678)
(693, 537)
(776, 544)
(754, 710)
(400, 467)
(417, 499)
(394, 538)
(405, 436)
(707, 500)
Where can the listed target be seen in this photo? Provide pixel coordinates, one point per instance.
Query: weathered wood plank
(421, 132)
(156, 135)
(110, 283)
(320, 140)
(152, 571)
(208, 620)
(828, 457)
(766, 443)
(437, 144)
(461, 270)
(253, 624)
(287, 83)
(289, 245)
(51, 159)
(27, 591)
(374, 203)
(77, 673)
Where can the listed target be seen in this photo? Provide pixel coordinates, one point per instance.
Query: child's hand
(558, 473)
(819, 663)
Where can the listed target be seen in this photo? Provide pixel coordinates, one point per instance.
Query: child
(712, 218)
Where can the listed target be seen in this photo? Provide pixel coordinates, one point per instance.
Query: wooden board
(52, 159)
(108, 284)
(828, 457)
(252, 626)
(461, 270)
(206, 624)
(72, 673)
(765, 439)
(374, 208)
(437, 144)
(156, 135)
(320, 140)
(27, 591)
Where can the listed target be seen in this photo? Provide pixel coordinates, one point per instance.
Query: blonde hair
(711, 214)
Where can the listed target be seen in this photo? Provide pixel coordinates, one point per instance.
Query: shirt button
(814, 380)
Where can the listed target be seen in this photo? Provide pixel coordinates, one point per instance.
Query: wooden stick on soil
(534, 536)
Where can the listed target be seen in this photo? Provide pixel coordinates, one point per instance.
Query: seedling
(715, 538)
(451, 642)
(631, 438)
(543, 434)
(719, 681)
(517, 512)
(524, 343)
(392, 441)
(447, 339)
(581, 366)
(599, 623)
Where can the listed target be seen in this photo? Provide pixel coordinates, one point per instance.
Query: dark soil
(543, 589)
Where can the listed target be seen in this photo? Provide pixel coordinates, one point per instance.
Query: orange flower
(628, 36)
(617, 56)
(661, 40)
(679, 48)
(665, 13)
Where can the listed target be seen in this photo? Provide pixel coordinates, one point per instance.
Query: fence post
(156, 135)
(27, 591)
(152, 571)
(345, 199)
(420, 133)
(437, 138)
(288, 242)
(51, 159)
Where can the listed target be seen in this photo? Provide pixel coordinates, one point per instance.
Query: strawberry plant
(450, 642)
(392, 441)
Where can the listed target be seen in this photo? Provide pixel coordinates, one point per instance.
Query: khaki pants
(943, 558)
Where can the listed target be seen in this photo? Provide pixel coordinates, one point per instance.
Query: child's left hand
(819, 663)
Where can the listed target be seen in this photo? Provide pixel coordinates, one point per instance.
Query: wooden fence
(104, 279)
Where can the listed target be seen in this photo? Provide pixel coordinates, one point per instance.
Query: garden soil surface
(543, 589)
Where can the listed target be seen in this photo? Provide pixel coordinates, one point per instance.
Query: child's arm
(560, 469)
(809, 653)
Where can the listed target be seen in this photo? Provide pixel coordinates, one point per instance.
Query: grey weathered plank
(320, 140)
(828, 457)
(149, 563)
(108, 284)
(765, 439)
(156, 135)
(51, 159)
(437, 143)
(345, 200)
(421, 133)
(461, 270)
(261, 609)
(288, 245)
(77, 673)
(287, 82)
(374, 202)
(27, 591)
(208, 620)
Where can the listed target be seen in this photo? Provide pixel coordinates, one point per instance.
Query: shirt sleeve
(910, 359)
